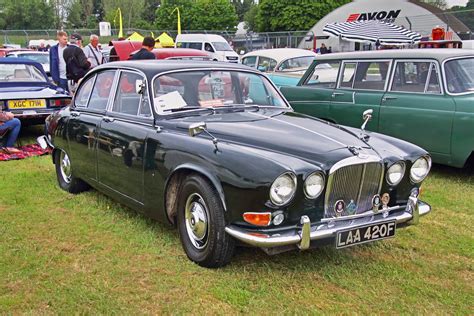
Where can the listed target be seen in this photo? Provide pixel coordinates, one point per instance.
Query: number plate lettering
(360, 235)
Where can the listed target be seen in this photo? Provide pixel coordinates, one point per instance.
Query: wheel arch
(173, 183)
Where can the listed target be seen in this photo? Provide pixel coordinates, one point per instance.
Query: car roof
(431, 53)
(21, 52)
(153, 67)
(6, 60)
(281, 53)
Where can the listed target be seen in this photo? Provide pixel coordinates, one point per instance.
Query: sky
(456, 2)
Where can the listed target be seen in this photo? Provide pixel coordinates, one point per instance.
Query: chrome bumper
(44, 142)
(307, 232)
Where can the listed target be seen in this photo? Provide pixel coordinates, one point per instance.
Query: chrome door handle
(388, 98)
(334, 94)
(75, 114)
(108, 119)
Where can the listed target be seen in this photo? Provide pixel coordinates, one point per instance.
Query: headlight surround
(314, 185)
(395, 173)
(420, 169)
(283, 189)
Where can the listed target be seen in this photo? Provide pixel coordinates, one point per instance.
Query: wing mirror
(139, 86)
(196, 128)
(366, 116)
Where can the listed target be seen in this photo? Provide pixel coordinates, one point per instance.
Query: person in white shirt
(92, 52)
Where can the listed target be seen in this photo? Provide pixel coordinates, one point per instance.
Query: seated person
(9, 130)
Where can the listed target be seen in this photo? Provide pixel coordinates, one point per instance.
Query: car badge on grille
(351, 208)
(339, 207)
(385, 200)
(376, 203)
(357, 151)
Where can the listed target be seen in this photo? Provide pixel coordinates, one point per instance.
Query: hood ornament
(366, 116)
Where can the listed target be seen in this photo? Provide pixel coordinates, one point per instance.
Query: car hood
(27, 92)
(285, 132)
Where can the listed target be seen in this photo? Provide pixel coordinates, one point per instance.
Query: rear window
(460, 75)
(20, 73)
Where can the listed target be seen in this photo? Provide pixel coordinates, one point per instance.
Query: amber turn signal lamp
(258, 219)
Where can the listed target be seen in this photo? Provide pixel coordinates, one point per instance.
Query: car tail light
(61, 102)
(258, 219)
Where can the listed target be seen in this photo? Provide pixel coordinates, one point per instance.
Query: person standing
(57, 62)
(145, 52)
(92, 52)
(77, 64)
(9, 128)
(323, 49)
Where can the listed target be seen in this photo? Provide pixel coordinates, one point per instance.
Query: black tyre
(201, 224)
(66, 180)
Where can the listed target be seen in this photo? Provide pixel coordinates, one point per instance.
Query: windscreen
(20, 72)
(212, 88)
(298, 63)
(460, 75)
(222, 46)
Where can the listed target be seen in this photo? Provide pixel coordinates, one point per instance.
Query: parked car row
(216, 150)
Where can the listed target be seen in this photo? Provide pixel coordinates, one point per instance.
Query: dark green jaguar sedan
(424, 96)
(216, 150)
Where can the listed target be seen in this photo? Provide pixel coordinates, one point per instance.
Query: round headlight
(420, 169)
(395, 173)
(283, 189)
(314, 185)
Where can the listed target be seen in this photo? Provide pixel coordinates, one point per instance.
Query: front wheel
(67, 181)
(201, 224)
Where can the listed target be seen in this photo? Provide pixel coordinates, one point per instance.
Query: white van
(213, 44)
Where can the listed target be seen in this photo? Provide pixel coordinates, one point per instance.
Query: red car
(125, 49)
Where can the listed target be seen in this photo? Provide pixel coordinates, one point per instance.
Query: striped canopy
(372, 31)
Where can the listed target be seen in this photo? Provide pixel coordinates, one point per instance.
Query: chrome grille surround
(355, 179)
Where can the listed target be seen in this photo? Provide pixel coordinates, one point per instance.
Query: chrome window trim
(141, 99)
(255, 72)
(435, 61)
(357, 61)
(113, 91)
(445, 79)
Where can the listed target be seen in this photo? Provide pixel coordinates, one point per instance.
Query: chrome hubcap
(196, 217)
(65, 167)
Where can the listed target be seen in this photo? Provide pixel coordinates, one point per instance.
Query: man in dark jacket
(57, 62)
(145, 52)
(77, 64)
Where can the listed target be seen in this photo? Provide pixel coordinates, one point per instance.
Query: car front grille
(355, 183)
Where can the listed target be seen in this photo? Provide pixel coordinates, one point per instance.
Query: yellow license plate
(26, 104)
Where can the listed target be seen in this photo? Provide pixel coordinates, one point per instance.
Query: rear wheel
(67, 181)
(201, 224)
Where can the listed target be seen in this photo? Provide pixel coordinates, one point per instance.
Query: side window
(208, 48)
(250, 61)
(433, 85)
(101, 91)
(348, 75)
(324, 75)
(371, 75)
(411, 76)
(266, 64)
(82, 96)
(195, 46)
(127, 100)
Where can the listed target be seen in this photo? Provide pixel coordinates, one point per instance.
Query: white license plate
(368, 233)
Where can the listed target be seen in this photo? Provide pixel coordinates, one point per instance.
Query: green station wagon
(424, 96)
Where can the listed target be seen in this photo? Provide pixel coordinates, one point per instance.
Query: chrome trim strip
(354, 160)
(317, 231)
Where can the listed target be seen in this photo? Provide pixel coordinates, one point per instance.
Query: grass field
(62, 253)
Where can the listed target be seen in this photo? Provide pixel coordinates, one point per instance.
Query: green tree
(28, 14)
(197, 15)
(276, 15)
(132, 11)
(465, 14)
(441, 4)
(242, 7)
(250, 18)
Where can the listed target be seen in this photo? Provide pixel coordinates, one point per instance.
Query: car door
(122, 136)
(415, 107)
(361, 86)
(90, 104)
(313, 94)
